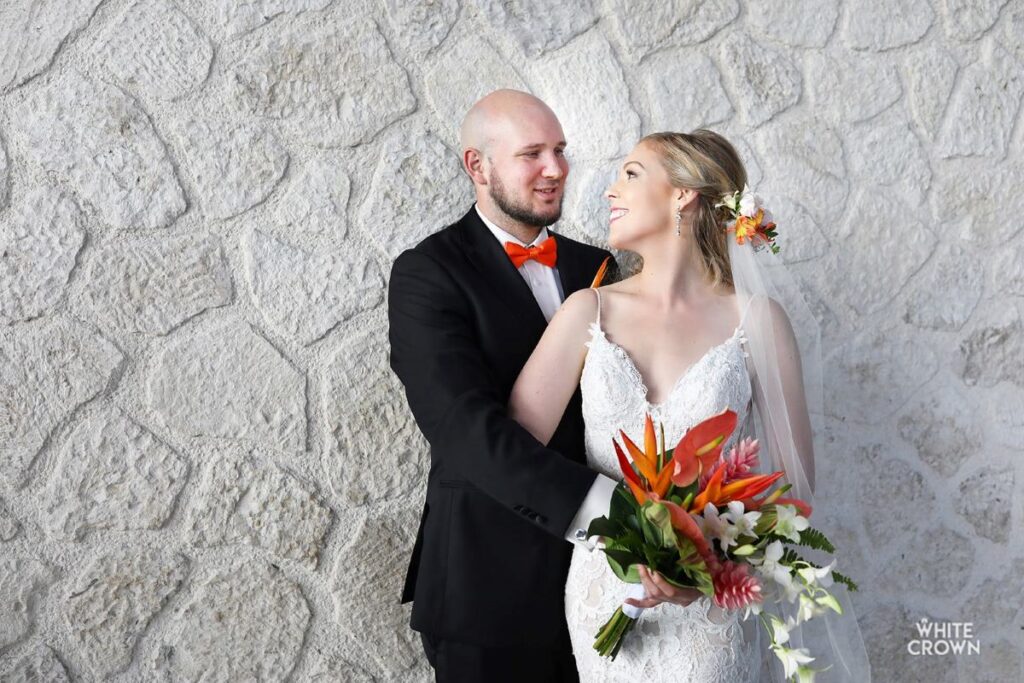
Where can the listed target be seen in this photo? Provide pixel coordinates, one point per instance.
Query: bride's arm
(552, 373)
(786, 359)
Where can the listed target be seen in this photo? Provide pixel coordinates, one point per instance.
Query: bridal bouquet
(693, 514)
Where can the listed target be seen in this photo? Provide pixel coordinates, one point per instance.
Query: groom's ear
(473, 165)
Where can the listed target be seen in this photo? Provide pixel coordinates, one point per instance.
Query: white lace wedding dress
(699, 643)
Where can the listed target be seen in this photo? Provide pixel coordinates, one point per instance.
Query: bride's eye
(630, 174)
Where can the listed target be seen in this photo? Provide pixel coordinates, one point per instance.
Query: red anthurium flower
(701, 447)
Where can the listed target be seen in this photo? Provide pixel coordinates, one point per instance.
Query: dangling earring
(679, 221)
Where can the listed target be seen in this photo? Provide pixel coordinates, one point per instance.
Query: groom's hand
(659, 590)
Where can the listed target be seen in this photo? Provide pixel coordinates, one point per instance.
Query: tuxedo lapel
(488, 256)
(570, 268)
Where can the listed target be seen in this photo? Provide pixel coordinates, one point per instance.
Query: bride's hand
(659, 590)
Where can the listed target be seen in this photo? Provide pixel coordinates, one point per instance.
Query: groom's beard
(518, 211)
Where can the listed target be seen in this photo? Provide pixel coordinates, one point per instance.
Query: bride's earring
(679, 223)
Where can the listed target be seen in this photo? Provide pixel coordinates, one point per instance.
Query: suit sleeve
(436, 356)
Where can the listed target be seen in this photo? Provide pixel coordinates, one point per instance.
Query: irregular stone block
(934, 560)
(417, 189)
(307, 293)
(647, 25)
(242, 17)
(763, 80)
(887, 153)
(380, 545)
(24, 584)
(112, 474)
(593, 106)
(103, 142)
(942, 427)
(47, 369)
(993, 351)
(177, 56)
(243, 503)
(963, 197)
(40, 239)
(930, 73)
(451, 89)
(539, 26)
(869, 378)
(948, 292)
(984, 106)
(225, 380)
(328, 83)
(985, 501)
(966, 20)
(685, 91)
(315, 202)
(875, 272)
(151, 286)
(37, 665)
(243, 621)
(850, 86)
(888, 24)
(422, 25)
(10, 527)
(114, 600)
(807, 164)
(5, 192)
(233, 168)
(364, 403)
(989, 608)
(32, 32)
(793, 23)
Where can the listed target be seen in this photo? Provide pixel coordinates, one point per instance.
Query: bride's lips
(616, 213)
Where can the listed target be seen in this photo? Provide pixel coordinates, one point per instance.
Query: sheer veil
(784, 343)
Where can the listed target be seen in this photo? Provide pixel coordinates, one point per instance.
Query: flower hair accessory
(750, 220)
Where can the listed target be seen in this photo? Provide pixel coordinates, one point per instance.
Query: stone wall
(206, 466)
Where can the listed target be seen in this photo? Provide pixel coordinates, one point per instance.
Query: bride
(671, 341)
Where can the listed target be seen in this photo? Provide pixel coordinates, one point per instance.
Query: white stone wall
(206, 465)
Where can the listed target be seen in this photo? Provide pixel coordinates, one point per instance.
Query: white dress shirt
(546, 286)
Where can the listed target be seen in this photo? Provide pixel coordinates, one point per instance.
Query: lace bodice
(699, 643)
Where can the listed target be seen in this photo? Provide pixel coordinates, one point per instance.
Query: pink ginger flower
(735, 587)
(740, 462)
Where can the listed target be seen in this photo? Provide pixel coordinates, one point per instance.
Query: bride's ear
(684, 197)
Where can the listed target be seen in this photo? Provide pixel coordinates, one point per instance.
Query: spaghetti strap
(598, 292)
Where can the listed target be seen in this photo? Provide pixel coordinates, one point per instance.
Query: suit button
(541, 519)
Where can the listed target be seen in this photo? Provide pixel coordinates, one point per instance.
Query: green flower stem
(610, 637)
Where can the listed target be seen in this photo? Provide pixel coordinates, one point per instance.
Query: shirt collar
(503, 236)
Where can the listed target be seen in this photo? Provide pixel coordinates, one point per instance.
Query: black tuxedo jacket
(490, 560)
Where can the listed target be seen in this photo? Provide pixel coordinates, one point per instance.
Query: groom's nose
(553, 168)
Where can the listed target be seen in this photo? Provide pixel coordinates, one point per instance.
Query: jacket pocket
(454, 484)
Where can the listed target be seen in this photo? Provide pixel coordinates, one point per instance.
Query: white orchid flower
(789, 524)
(792, 658)
(717, 526)
(743, 521)
(808, 608)
(815, 576)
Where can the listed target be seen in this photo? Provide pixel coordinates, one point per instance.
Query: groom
(466, 306)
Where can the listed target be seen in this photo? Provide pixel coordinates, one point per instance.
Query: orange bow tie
(546, 253)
